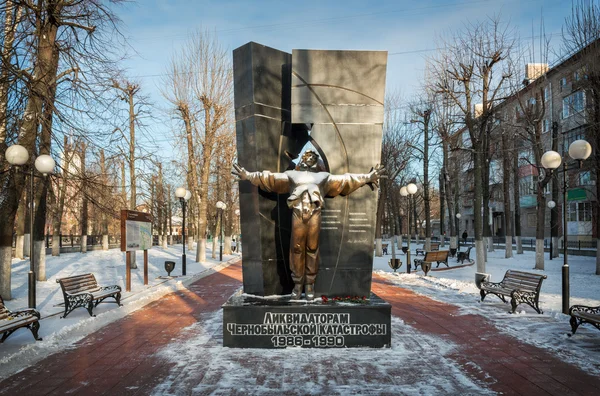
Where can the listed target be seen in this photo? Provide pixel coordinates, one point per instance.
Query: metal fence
(73, 241)
(526, 242)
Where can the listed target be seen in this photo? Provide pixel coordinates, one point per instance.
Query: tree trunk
(554, 215)
(506, 195)
(479, 246)
(170, 214)
(132, 174)
(103, 194)
(21, 213)
(215, 240)
(442, 209)
(426, 202)
(516, 196)
(540, 227)
(84, 199)
(227, 245)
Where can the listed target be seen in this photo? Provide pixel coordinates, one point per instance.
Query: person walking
(464, 237)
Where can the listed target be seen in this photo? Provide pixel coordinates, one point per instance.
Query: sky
(407, 29)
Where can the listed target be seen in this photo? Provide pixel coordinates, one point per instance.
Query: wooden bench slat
(16, 322)
(77, 278)
(89, 289)
(81, 282)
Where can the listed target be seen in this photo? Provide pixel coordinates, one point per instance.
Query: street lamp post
(183, 195)
(17, 156)
(407, 191)
(551, 205)
(221, 206)
(578, 150)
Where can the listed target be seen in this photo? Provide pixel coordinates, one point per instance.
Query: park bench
(438, 257)
(434, 246)
(584, 314)
(462, 256)
(12, 321)
(521, 287)
(84, 291)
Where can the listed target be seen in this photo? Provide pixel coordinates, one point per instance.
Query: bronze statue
(308, 184)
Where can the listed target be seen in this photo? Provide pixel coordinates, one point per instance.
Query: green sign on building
(576, 194)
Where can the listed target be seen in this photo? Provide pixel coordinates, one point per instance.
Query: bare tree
(129, 94)
(472, 69)
(54, 45)
(199, 85)
(395, 155)
(423, 113)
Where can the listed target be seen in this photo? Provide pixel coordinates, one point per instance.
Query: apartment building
(551, 101)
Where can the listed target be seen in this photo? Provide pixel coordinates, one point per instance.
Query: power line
(389, 54)
(303, 23)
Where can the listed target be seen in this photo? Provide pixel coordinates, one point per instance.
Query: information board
(136, 231)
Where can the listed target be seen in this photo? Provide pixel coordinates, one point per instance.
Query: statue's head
(310, 158)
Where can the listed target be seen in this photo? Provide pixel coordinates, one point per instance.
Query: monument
(328, 104)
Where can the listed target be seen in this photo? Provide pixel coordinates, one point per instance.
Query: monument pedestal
(258, 322)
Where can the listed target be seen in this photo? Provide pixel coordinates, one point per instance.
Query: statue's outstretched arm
(349, 182)
(265, 180)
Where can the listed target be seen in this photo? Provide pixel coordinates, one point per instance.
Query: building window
(580, 211)
(547, 94)
(563, 83)
(584, 211)
(518, 113)
(570, 138)
(585, 178)
(547, 126)
(576, 75)
(573, 104)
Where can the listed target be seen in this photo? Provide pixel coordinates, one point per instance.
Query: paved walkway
(123, 358)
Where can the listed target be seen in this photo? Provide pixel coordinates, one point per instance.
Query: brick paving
(122, 358)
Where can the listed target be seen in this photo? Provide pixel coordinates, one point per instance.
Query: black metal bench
(462, 256)
(434, 247)
(84, 291)
(11, 321)
(439, 257)
(521, 287)
(584, 314)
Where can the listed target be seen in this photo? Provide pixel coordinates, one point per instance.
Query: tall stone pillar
(342, 93)
(265, 141)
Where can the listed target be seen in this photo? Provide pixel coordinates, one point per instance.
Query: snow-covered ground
(20, 349)
(234, 367)
(551, 330)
